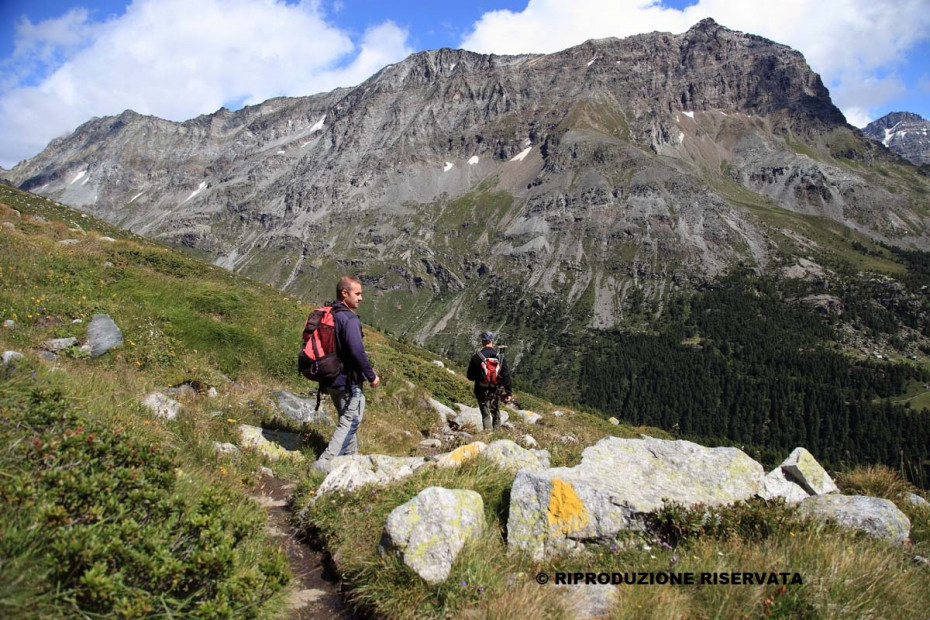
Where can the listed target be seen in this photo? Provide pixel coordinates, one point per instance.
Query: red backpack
(490, 367)
(318, 359)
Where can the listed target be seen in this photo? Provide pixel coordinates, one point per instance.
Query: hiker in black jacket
(489, 391)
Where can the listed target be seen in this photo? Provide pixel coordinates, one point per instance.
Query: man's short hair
(345, 283)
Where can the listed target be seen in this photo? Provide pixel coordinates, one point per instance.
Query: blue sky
(63, 62)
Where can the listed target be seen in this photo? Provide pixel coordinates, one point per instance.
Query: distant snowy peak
(905, 133)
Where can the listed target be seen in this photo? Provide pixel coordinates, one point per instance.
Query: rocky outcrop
(430, 530)
(562, 508)
(875, 516)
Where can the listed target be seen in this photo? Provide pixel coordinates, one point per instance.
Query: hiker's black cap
(487, 336)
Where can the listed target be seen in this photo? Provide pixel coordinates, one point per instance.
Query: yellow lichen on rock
(464, 452)
(566, 512)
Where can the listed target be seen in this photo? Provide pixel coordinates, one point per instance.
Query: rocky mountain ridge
(588, 183)
(905, 133)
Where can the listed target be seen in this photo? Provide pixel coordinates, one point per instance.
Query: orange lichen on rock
(566, 512)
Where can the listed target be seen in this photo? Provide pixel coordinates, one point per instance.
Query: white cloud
(177, 59)
(852, 44)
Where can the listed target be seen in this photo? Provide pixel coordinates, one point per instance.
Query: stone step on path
(313, 596)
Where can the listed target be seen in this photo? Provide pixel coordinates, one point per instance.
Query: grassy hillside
(109, 512)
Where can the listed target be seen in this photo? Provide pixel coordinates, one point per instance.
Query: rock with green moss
(802, 468)
(430, 530)
(508, 455)
(877, 517)
(617, 482)
(273, 444)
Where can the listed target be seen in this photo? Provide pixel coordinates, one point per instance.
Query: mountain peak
(905, 133)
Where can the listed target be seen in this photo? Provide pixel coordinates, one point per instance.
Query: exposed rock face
(875, 516)
(905, 133)
(613, 166)
(617, 482)
(431, 529)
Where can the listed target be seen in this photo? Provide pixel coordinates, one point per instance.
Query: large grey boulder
(430, 530)
(161, 406)
(777, 485)
(802, 468)
(875, 516)
(348, 473)
(103, 335)
(617, 482)
(508, 455)
(301, 410)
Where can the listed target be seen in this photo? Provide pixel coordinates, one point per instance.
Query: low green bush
(749, 520)
(108, 526)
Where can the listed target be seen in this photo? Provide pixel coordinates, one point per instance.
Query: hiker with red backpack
(334, 355)
(489, 371)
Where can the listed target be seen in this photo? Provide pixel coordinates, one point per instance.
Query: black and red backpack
(490, 371)
(318, 359)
